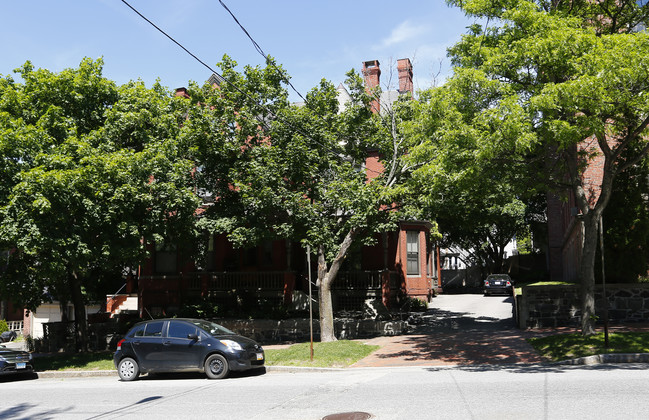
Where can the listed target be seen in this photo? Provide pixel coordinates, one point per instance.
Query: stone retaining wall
(296, 330)
(558, 306)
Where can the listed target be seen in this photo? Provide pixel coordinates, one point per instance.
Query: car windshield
(498, 277)
(211, 327)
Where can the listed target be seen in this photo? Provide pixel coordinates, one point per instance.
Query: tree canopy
(299, 171)
(553, 84)
(93, 173)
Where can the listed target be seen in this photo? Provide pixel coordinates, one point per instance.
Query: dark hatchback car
(498, 283)
(185, 345)
(15, 361)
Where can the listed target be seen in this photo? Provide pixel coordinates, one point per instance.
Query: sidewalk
(475, 347)
(463, 348)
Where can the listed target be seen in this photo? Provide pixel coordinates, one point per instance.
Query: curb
(48, 374)
(608, 358)
(55, 374)
(612, 358)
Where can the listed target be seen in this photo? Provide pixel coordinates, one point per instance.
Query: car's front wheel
(216, 367)
(128, 369)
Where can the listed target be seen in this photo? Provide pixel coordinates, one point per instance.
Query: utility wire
(267, 57)
(222, 79)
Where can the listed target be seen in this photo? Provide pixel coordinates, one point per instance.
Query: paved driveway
(466, 329)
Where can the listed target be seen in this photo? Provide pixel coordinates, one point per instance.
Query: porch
(162, 294)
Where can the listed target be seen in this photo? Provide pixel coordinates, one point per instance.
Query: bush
(3, 326)
(415, 305)
(205, 309)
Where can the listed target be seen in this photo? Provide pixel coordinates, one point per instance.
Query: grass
(335, 354)
(340, 353)
(77, 361)
(570, 346)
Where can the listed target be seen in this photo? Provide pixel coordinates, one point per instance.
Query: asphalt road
(488, 392)
(468, 312)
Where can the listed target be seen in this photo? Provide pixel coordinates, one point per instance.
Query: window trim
(411, 255)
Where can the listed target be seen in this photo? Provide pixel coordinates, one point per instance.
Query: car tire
(128, 369)
(216, 367)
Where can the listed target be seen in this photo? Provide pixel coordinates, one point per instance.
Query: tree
(566, 79)
(96, 171)
(478, 201)
(298, 171)
(626, 224)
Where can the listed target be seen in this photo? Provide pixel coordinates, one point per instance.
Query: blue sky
(311, 39)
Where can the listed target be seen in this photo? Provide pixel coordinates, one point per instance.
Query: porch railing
(259, 280)
(358, 280)
(16, 326)
(173, 290)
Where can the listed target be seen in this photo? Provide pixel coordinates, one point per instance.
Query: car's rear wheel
(216, 367)
(128, 369)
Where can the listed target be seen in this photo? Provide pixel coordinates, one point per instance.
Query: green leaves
(92, 170)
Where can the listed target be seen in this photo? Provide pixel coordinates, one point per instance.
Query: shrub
(3, 326)
(415, 305)
(204, 310)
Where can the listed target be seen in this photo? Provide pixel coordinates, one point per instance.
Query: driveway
(466, 329)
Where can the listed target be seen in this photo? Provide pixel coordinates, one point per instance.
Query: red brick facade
(564, 230)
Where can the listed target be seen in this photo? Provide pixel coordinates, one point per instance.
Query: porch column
(289, 286)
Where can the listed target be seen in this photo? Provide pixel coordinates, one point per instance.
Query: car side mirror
(193, 337)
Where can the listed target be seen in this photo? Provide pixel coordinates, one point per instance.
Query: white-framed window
(412, 253)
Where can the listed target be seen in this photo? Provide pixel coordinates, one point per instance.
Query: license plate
(260, 356)
(21, 365)
(498, 283)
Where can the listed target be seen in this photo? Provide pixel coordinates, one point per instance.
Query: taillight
(119, 343)
(509, 283)
(486, 282)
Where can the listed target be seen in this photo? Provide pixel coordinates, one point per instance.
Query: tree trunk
(79, 311)
(4, 309)
(324, 297)
(587, 274)
(326, 279)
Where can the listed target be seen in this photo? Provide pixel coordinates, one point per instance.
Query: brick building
(565, 232)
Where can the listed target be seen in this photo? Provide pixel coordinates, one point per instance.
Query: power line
(268, 59)
(261, 105)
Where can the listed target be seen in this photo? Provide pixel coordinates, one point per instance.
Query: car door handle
(166, 342)
(137, 343)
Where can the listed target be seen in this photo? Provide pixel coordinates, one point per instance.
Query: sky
(310, 39)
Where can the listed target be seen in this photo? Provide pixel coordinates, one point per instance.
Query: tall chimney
(405, 75)
(372, 75)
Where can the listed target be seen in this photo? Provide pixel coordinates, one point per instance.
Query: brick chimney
(181, 91)
(372, 75)
(404, 68)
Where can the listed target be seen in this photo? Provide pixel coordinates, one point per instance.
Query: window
(165, 258)
(210, 260)
(180, 330)
(137, 331)
(267, 252)
(412, 250)
(154, 329)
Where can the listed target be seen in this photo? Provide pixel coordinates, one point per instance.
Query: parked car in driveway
(498, 283)
(185, 345)
(15, 361)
